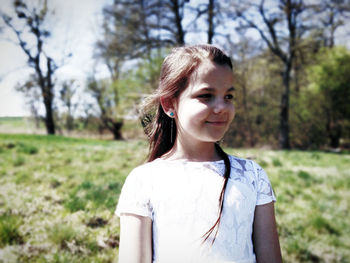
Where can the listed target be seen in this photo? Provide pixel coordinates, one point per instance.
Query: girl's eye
(229, 97)
(205, 96)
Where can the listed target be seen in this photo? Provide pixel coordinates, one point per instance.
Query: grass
(58, 195)
(12, 121)
(26, 125)
(313, 200)
(9, 230)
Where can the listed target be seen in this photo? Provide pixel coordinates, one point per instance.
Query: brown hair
(175, 75)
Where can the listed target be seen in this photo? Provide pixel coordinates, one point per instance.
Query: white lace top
(182, 199)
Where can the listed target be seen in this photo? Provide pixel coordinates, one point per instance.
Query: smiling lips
(217, 123)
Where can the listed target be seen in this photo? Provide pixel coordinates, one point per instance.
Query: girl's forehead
(207, 67)
(208, 72)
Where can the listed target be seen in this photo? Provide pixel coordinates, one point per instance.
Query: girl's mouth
(217, 123)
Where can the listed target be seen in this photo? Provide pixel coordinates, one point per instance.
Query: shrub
(9, 230)
(276, 162)
(60, 234)
(28, 149)
(75, 203)
(19, 160)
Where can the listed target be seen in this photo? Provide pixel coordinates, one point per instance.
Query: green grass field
(58, 195)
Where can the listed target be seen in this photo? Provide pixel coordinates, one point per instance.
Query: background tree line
(291, 79)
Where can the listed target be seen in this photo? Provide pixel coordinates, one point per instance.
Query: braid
(227, 173)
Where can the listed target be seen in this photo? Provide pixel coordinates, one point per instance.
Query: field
(58, 195)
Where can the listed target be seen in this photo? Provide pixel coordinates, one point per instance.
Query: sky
(76, 26)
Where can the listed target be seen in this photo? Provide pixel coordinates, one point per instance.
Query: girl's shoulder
(147, 169)
(236, 163)
(141, 169)
(161, 167)
(243, 164)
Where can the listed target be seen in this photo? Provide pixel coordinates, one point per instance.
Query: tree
(32, 96)
(132, 30)
(28, 24)
(330, 77)
(125, 35)
(106, 95)
(174, 17)
(67, 92)
(211, 11)
(280, 27)
(243, 71)
(333, 14)
(211, 29)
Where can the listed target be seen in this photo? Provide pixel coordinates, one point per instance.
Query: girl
(191, 202)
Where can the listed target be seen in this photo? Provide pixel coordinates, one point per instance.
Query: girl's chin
(214, 139)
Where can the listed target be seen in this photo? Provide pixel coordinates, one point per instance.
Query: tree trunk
(284, 110)
(33, 28)
(333, 130)
(48, 98)
(46, 89)
(335, 138)
(49, 121)
(115, 127)
(117, 130)
(247, 119)
(210, 21)
(180, 36)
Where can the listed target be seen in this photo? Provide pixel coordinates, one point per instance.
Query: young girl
(191, 202)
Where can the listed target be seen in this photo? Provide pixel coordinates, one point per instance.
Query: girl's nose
(219, 106)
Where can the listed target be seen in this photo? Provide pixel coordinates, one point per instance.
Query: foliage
(33, 97)
(280, 28)
(330, 76)
(67, 92)
(330, 79)
(106, 94)
(132, 31)
(317, 114)
(140, 81)
(119, 99)
(308, 129)
(257, 92)
(42, 221)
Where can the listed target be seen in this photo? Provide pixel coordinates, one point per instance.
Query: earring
(171, 126)
(171, 130)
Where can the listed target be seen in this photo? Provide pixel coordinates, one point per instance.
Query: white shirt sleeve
(265, 192)
(135, 194)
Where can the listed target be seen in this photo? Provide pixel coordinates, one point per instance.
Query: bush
(9, 230)
(28, 149)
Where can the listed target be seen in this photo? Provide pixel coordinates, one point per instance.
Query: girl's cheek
(197, 106)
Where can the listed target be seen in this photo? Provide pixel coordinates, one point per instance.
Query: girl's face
(205, 108)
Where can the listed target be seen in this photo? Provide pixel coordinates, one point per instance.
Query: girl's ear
(168, 106)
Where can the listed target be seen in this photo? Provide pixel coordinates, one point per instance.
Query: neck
(200, 152)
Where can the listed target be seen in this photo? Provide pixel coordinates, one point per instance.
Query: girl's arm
(265, 237)
(135, 239)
